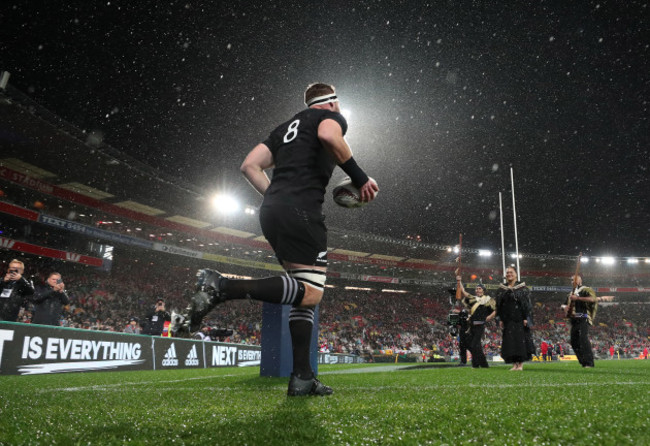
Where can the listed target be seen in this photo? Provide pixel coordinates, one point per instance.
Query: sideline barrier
(31, 349)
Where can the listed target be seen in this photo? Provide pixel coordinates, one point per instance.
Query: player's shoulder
(318, 114)
(328, 114)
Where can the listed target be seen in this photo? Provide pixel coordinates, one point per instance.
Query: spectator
(133, 327)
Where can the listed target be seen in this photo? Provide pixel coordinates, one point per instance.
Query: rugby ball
(348, 195)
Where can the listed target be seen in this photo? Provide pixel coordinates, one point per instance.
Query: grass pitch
(547, 404)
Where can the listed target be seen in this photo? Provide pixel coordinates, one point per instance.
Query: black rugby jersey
(303, 167)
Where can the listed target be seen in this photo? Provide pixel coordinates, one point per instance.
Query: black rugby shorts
(296, 235)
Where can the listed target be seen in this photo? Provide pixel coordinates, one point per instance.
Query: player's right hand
(369, 190)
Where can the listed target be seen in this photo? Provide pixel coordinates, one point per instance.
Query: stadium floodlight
(456, 249)
(225, 204)
(608, 260)
(632, 260)
(584, 259)
(387, 290)
(357, 288)
(249, 210)
(484, 253)
(647, 260)
(514, 255)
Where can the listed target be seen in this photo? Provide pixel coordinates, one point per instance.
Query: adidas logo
(170, 359)
(192, 358)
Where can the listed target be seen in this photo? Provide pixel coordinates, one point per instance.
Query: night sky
(444, 97)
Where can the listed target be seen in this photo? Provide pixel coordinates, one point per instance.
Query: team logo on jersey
(322, 258)
(192, 358)
(170, 359)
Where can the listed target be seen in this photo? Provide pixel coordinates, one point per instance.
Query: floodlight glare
(584, 259)
(225, 204)
(608, 260)
(346, 112)
(484, 253)
(632, 261)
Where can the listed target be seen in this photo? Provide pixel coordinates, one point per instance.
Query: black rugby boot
(207, 296)
(304, 387)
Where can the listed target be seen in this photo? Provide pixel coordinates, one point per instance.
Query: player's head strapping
(319, 93)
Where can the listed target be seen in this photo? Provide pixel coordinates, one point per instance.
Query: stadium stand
(102, 208)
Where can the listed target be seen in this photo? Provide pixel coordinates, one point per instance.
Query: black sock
(301, 323)
(276, 290)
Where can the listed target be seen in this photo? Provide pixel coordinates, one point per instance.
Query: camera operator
(203, 334)
(154, 322)
(14, 291)
(461, 328)
(49, 301)
(482, 309)
(208, 333)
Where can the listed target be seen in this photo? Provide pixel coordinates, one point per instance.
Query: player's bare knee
(313, 281)
(312, 297)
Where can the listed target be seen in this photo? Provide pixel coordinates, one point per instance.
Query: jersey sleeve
(338, 118)
(271, 142)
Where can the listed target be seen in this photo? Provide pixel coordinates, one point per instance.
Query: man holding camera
(49, 301)
(156, 318)
(14, 291)
(464, 337)
(482, 309)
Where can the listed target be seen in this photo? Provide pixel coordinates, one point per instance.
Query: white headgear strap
(326, 99)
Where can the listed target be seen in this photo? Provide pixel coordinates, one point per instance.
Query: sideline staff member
(155, 319)
(49, 300)
(14, 291)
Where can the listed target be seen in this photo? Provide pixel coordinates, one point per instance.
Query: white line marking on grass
(136, 383)
(498, 386)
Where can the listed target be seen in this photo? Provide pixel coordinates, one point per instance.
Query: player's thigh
(297, 236)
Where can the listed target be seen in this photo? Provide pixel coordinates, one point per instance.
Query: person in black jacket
(514, 311)
(155, 320)
(49, 301)
(14, 291)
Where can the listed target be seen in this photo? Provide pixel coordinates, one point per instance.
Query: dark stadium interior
(411, 320)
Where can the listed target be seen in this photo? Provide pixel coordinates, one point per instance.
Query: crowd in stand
(351, 321)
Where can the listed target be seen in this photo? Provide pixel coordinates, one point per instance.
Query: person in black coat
(14, 291)
(154, 322)
(49, 301)
(514, 311)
